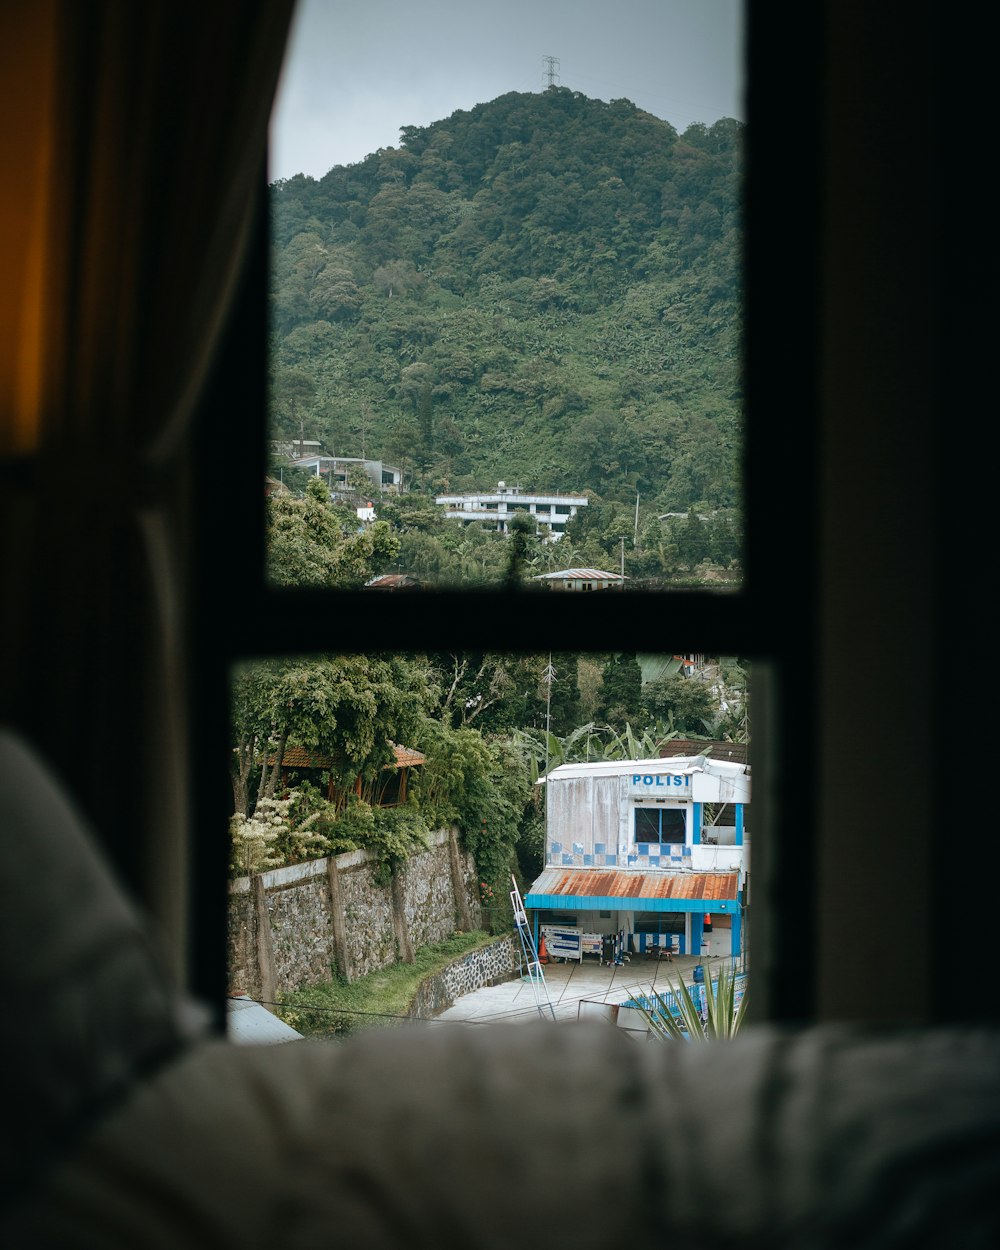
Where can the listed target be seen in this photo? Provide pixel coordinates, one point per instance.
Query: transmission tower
(551, 64)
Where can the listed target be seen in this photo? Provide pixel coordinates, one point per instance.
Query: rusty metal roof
(393, 581)
(604, 883)
(407, 756)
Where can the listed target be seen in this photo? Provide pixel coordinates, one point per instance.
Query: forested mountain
(543, 289)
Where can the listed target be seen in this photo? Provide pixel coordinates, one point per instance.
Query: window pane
(383, 803)
(506, 302)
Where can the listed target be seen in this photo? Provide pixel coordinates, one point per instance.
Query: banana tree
(545, 751)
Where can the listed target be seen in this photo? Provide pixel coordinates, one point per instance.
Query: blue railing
(697, 991)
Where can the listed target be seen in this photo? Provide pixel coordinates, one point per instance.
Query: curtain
(134, 170)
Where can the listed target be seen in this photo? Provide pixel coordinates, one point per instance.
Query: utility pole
(548, 675)
(551, 64)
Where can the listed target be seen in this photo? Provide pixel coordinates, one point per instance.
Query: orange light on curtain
(28, 56)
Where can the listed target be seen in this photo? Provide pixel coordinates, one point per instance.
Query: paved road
(573, 989)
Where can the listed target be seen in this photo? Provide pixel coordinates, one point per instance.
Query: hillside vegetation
(544, 289)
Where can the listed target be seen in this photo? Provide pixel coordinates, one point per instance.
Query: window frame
(770, 619)
(645, 810)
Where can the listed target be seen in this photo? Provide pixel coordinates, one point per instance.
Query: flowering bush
(486, 894)
(253, 837)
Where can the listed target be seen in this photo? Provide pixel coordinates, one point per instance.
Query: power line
(513, 1013)
(551, 64)
(335, 1011)
(565, 999)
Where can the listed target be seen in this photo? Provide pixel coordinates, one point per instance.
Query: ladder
(535, 977)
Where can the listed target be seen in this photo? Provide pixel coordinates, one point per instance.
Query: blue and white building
(656, 851)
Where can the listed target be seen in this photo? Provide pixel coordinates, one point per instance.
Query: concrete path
(572, 988)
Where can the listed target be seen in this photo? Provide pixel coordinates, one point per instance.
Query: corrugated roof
(687, 764)
(730, 752)
(583, 575)
(618, 768)
(393, 581)
(406, 756)
(612, 883)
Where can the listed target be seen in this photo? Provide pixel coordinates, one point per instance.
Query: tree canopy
(542, 289)
(313, 543)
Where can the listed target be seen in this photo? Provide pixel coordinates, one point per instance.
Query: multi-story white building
(386, 478)
(498, 508)
(652, 851)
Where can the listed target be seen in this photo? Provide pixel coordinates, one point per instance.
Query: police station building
(655, 852)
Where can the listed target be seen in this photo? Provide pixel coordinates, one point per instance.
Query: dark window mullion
(304, 621)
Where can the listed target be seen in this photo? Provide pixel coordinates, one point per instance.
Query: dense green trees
(313, 543)
(351, 708)
(543, 289)
(481, 722)
(484, 720)
(689, 707)
(564, 709)
(621, 691)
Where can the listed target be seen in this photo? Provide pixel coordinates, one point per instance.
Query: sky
(356, 71)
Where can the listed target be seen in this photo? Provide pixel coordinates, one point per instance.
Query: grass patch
(375, 1001)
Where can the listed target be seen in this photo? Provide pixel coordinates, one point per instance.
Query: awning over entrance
(583, 889)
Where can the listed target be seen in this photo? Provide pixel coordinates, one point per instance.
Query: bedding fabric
(423, 1137)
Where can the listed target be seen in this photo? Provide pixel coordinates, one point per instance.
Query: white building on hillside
(385, 477)
(498, 508)
(581, 579)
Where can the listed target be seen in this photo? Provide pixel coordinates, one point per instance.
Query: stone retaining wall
(489, 965)
(294, 926)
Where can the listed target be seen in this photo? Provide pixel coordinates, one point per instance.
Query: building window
(660, 824)
(659, 922)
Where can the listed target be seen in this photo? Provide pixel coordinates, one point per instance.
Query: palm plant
(682, 1020)
(545, 751)
(630, 745)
